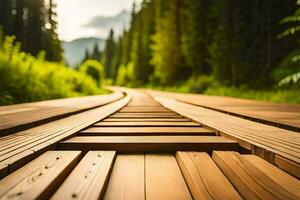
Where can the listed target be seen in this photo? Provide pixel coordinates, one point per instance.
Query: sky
(74, 16)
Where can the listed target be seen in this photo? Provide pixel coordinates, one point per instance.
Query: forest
(241, 48)
(32, 67)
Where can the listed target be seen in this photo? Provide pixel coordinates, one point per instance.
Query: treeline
(31, 67)
(171, 41)
(33, 23)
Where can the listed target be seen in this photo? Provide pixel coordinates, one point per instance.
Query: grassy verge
(278, 95)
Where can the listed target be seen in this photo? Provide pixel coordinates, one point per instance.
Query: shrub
(122, 76)
(198, 84)
(94, 69)
(24, 78)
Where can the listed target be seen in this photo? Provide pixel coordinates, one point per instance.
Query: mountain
(104, 23)
(75, 50)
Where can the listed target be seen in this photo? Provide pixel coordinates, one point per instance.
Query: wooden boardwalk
(135, 144)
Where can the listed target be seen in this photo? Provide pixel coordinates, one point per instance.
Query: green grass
(209, 86)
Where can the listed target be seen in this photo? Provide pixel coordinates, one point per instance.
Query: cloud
(117, 22)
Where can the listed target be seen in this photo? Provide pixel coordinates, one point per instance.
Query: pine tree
(117, 60)
(96, 54)
(147, 29)
(196, 37)
(53, 46)
(86, 55)
(136, 53)
(167, 55)
(109, 54)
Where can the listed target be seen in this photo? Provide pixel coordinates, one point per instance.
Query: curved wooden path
(143, 144)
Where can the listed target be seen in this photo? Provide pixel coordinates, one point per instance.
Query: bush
(24, 78)
(199, 84)
(94, 69)
(122, 76)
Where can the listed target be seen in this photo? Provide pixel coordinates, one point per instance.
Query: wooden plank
(146, 124)
(144, 110)
(250, 180)
(15, 118)
(3, 170)
(19, 160)
(275, 114)
(266, 141)
(39, 178)
(164, 179)
(127, 179)
(204, 178)
(146, 120)
(146, 116)
(149, 143)
(88, 180)
(284, 180)
(138, 131)
(24, 144)
(288, 166)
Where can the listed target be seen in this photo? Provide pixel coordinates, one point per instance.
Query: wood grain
(88, 180)
(149, 115)
(14, 118)
(280, 177)
(39, 178)
(288, 166)
(146, 124)
(138, 131)
(141, 119)
(204, 178)
(23, 145)
(250, 180)
(263, 140)
(283, 115)
(149, 143)
(127, 179)
(164, 179)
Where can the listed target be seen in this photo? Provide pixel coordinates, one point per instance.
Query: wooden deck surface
(148, 145)
(280, 115)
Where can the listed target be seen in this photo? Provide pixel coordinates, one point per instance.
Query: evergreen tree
(125, 43)
(196, 37)
(167, 55)
(53, 46)
(234, 41)
(117, 60)
(33, 23)
(109, 55)
(86, 55)
(96, 54)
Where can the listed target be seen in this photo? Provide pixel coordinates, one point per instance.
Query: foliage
(94, 69)
(96, 54)
(291, 79)
(171, 41)
(293, 60)
(199, 84)
(109, 55)
(24, 78)
(278, 95)
(33, 22)
(167, 57)
(218, 47)
(212, 87)
(122, 76)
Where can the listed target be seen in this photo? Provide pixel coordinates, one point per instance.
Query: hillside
(74, 50)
